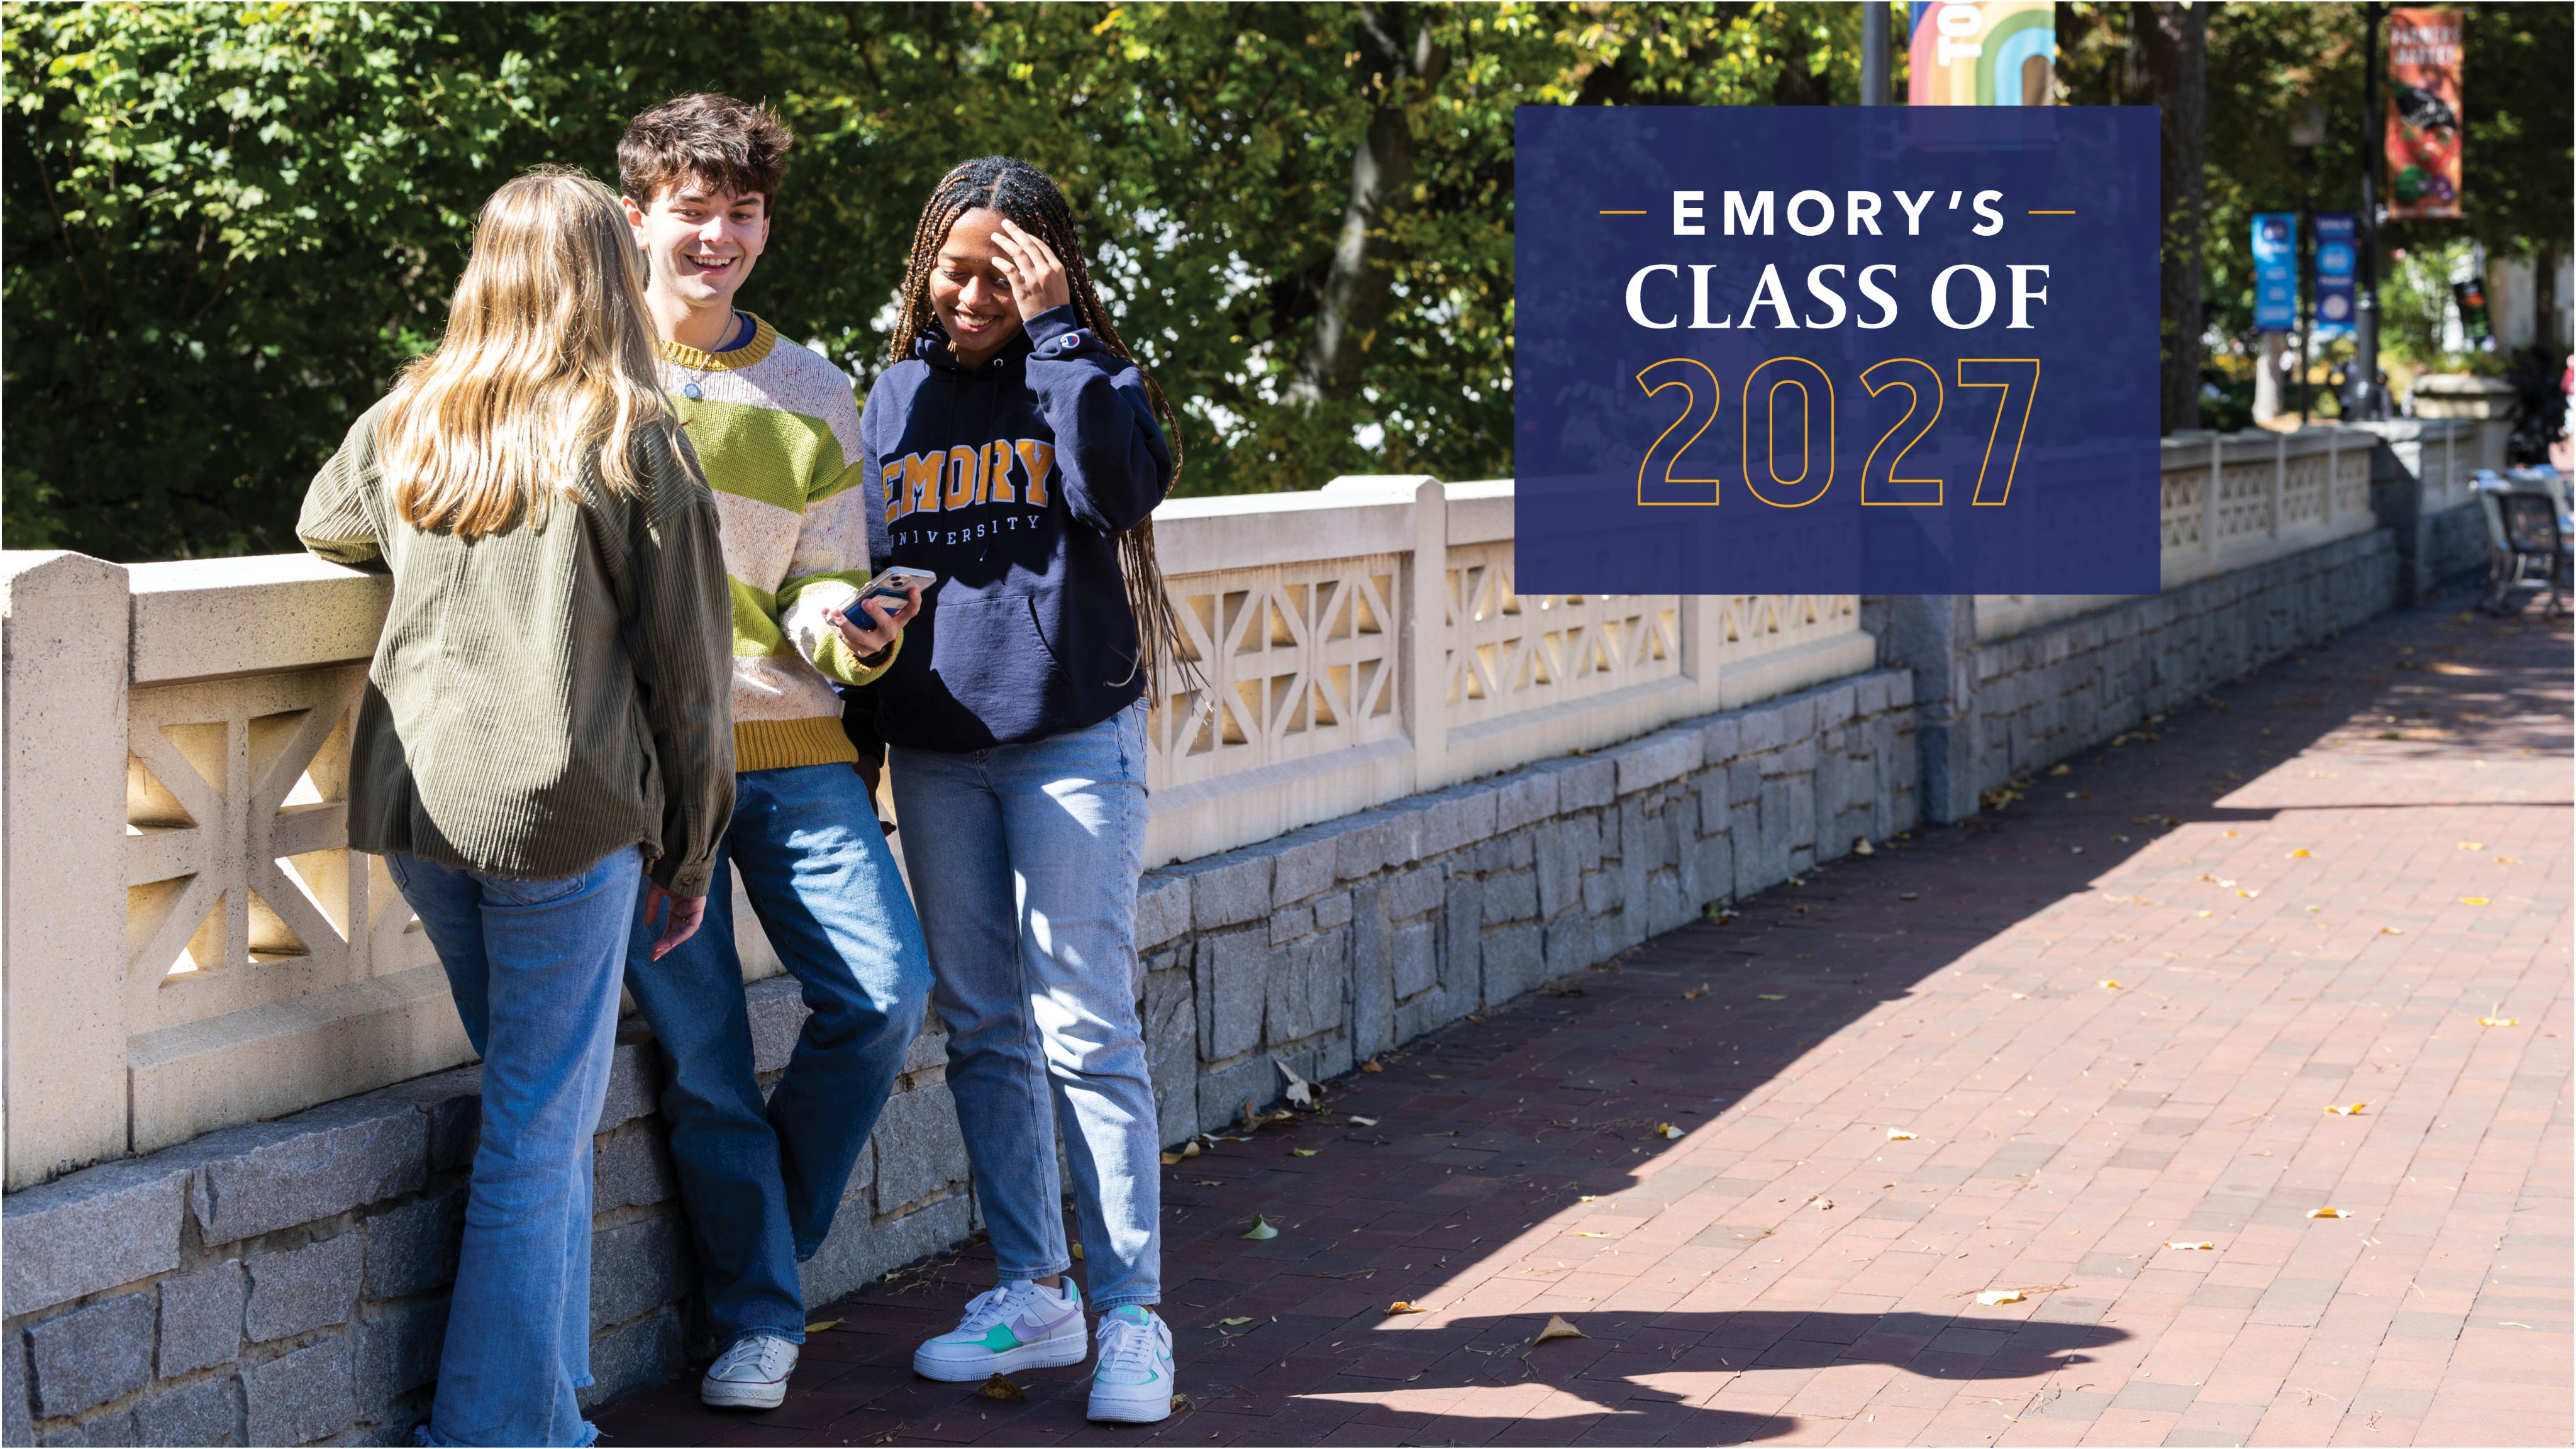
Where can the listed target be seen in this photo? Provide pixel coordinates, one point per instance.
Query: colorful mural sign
(2424, 112)
(1981, 52)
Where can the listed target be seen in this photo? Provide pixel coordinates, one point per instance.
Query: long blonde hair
(548, 360)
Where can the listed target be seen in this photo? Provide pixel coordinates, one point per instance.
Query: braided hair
(1030, 199)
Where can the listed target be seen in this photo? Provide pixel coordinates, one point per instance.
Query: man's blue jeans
(534, 969)
(762, 1184)
(1024, 859)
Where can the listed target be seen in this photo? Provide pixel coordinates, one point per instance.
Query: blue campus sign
(2276, 271)
(2335, 259)
(1835, 350)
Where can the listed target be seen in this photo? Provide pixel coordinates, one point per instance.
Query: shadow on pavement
(1493, 1127)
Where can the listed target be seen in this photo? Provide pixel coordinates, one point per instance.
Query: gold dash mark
(1623, 213)
(2052, 213)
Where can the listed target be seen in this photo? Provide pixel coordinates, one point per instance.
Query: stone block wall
(2044, 695)
(287, 1282)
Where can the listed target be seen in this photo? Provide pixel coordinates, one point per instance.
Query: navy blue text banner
(1896, 350)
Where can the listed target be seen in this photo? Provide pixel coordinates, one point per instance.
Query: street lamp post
(1873, 53)
(2307, 135)
(2362, 397)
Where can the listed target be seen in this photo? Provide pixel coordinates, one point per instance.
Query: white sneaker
(1133, 1384)
(1016, 1326)
(750, 1375)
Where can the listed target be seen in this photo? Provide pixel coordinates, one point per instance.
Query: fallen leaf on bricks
(1907, 895)
(1301, 1151)
(1179, 1402)
(1232, 1322)
(1696, 992)
(1400, 1306)
(2473, 900)
(1767, 997)
(2390, 931)
(999, 1387)
(2499, 1021)
(1300, 1091)
(2301, 854)
(2203, 1246)
(1363, 1121)
(2055, 770)
(1667, 1130)
(2249, 895)
(825, 1326)
(1899, 1134)
(2471, 845)
(1822, 1202)
(2200, 913)
(1999, 1295)
(2021, 996)
(1370, 1066)
(1863, 847)
(2107, 984)
(1261, 1229)
(2325, 1212)
(1557, 1327)
(1592, 1235)
(2354, 1110)
(1077, 1252)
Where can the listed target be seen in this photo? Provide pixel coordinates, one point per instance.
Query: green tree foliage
(228, 225)
(2269, 64)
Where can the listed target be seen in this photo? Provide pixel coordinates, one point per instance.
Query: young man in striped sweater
(776, 429)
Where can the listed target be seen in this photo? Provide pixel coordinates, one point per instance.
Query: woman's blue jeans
(535, 967)
(1024, 860)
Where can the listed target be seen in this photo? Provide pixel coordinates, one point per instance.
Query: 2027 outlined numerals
(1882, 486)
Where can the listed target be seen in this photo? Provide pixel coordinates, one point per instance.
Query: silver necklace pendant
(690, 390)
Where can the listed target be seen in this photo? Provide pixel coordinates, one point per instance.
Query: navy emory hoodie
(1012, 480)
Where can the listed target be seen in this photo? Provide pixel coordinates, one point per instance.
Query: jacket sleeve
(338, 524)
(836, 547)
(684, 663)
(1109, 452)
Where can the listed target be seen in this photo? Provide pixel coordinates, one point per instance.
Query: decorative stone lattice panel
(2180, 513)
(1295, 660)
(1509, 652)
(241, 890)
(1751, 625)
(2245, 501)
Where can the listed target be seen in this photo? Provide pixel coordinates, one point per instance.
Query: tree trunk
(1355, 285)
(2169, 68)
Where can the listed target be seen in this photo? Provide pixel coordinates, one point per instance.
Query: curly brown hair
(734, 146)
(1031, 199)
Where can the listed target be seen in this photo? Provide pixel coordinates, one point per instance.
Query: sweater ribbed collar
(763, 338)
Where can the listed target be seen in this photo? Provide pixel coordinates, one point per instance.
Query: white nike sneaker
(1133, 1384)
(750, 1375)
(1016, 1326)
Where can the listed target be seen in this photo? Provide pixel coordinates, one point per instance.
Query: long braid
(1032, 201)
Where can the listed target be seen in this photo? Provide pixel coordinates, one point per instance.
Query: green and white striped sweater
(777, 431)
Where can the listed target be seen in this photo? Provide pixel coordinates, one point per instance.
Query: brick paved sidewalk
(2308, 891)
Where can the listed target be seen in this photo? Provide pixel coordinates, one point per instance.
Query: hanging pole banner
(2336, 258)
(2276, 271)
(2423, 114)
(1887, 350)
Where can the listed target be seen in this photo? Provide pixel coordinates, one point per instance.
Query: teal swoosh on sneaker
(1000, 1339)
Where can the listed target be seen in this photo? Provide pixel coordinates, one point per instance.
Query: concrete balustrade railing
(190, 943)
(2237, 500)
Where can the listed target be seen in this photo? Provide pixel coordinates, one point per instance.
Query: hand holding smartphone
(876, 617)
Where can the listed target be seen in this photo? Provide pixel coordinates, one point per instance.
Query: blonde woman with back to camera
(544, 736)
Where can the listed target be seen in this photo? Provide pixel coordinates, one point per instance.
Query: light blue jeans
(534, 967)
(763, 1181)
(1024, 861)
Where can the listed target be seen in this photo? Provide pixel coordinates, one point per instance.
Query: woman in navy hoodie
(1021, 456)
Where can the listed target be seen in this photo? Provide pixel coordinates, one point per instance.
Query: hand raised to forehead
(1038, 279)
